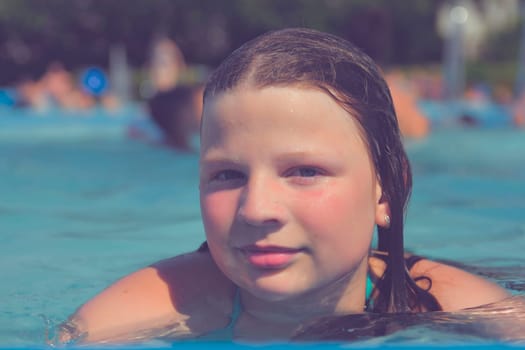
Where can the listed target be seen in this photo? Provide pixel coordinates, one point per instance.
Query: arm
(453, 288)
(125, 307)
(167, 298)
(456, 289)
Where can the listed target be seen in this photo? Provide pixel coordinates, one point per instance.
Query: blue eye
(305, 172)
(227, 175)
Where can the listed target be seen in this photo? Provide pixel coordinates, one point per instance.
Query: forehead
(246, 101)
(294, 111)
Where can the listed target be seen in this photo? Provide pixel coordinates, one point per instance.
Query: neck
(346, 295)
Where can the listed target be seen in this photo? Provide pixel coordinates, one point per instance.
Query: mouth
(269, 257)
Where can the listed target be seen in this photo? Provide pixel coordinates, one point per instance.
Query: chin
(271, 294)
(275, 288)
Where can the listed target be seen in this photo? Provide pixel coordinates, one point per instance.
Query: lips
(269, 257)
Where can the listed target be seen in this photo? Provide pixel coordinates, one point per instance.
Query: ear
(382, 214)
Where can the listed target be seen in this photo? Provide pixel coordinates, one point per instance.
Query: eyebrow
(317, 154)
(217, 160)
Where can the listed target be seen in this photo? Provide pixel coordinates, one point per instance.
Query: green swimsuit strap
(368, 293)
(369, 287)
(226, 333)
(236, 310)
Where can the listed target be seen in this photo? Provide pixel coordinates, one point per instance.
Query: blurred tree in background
(78, 33)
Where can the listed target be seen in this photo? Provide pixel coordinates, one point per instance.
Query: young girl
(301, 158)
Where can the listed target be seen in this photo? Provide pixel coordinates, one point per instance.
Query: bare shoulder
(171, 293)
(456, 289)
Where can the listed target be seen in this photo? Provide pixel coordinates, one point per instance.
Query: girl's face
(289, 196)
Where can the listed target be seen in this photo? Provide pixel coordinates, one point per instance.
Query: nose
(260, 203)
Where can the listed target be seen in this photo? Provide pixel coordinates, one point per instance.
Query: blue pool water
(81, 205)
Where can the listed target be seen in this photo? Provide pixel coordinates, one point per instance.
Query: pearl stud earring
(387, 221)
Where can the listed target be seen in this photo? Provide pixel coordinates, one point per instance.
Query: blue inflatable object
(94, 81)
(8, 97)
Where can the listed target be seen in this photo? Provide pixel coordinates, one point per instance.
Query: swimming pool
(78, 210)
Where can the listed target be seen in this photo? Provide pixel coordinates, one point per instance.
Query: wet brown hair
(307, 57)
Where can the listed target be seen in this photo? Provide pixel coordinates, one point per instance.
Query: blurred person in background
(412, 122)
(166, 65)
(31, 94)
(174, 108)
(62, 91)
(177, 113)
(518, 111)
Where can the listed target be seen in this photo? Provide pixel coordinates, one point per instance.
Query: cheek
(218, 212)
(342, 212)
